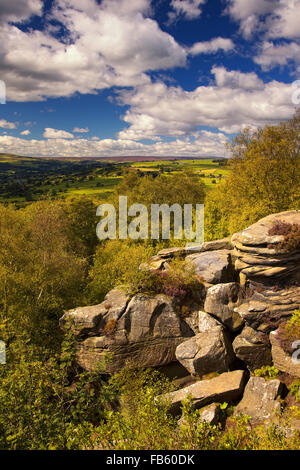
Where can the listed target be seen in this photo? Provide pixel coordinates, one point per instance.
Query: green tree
(264, 179)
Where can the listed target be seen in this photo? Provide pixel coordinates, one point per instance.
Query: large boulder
(251, 349)
(283, 361)
(221, 301)
(260, 400)
(209, 351)
(145, 332)
(226, 387)
(212, 267)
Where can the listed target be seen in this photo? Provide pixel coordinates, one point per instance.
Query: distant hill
(115, 159)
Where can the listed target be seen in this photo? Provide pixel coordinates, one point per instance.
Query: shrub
(268, 372)
(289, 332)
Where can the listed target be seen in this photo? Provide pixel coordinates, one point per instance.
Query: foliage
(42, 403)
(268, 372)
(181, 188)
(115, 263)
(178, 281)
(295, 390)
(289, 332)
(41, 275)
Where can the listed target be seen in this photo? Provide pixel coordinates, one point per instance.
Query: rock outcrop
(246, 288)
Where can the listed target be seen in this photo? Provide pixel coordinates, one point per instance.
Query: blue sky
(167, 77)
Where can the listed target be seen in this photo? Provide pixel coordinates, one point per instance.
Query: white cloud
(285, 21)
(19, 10)
(212, 46)
(271, 55)
(50, 133)
(274, 18)
(81, 129)
(7, 125)
(204, 143)
(112, 44)
(235, 101)
(235, 79)
(189, 9)
(26, 132)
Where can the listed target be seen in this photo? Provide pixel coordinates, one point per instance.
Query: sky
(103, 78)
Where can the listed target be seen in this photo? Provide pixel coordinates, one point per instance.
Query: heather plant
(291, 234)
(178, 281)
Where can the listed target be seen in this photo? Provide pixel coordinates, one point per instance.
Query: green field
(24, 179)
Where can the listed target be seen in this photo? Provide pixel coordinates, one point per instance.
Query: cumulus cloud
(111, 44)
(26, 132)
(189, 9)
(275, 18)
(281, 54)
(19, 10)
(212, 46)
(203, 144)
(81, 129)
(50, 133)
(235, 101)
(7, 125)
(285, 21)
(236, 79)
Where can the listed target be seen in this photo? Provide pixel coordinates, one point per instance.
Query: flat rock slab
(226, 387)
(283, 361)
(260, 400)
